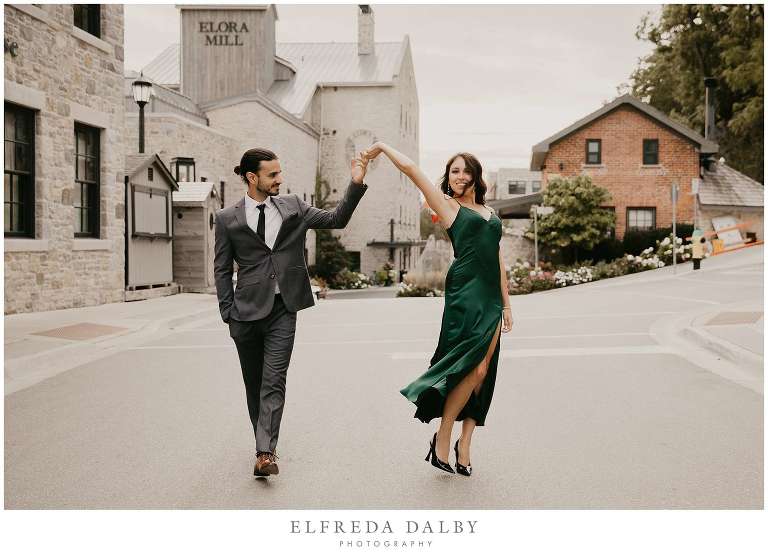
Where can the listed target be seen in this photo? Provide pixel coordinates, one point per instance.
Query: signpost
(675, 191)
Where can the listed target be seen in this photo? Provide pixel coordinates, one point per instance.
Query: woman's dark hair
(475, 169)
(251, 161)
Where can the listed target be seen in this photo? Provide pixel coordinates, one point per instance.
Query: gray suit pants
(264, 347)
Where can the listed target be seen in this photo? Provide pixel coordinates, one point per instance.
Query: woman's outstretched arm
(436, 200)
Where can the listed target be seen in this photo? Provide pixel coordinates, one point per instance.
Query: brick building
(64, 156)
(636, 153)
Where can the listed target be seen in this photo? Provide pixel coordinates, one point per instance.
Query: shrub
(347, 279)
(607, 250)
(410, 290)
(637, 241)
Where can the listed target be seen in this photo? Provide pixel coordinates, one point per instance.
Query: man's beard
(266, 190)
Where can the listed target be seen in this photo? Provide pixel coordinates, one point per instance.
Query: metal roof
(540, 150)
(162, 93)
(725, 185)
(164, 69)
(518, 207)
(333, 64)
(194, 192)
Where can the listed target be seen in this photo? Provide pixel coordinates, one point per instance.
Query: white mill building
(229, 87)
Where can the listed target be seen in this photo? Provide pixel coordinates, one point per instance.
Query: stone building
(64, 156)
(315, 104)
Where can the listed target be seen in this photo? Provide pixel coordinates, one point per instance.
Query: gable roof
(134, 164)
(328, 64)
(541, 149)
(724, 185)
(164, 69)
(333, 64)
(194, 193)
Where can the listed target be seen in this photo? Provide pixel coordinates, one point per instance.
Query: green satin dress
(472, 313)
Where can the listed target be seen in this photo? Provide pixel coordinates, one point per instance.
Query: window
(594, 152)
(183, 169)
(516, 187)
(354, 261)
(19, 174)
(87, 18)
(641, 218)
(536, 186)
(650, 152)
(86, 194)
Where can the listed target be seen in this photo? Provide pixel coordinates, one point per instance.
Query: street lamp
(142, 91)
(543, 211)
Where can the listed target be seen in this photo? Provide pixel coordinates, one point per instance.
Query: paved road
(595, 407)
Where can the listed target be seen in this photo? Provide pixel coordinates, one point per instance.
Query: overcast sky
(492, 80)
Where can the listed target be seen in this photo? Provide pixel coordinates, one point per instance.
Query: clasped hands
(359, 164)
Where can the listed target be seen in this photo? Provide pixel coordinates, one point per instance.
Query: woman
(459, 382)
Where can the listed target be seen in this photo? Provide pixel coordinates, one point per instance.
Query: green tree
(578, 222)
(331, 256)
(695, 41)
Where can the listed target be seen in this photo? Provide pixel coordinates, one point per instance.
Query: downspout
(125, 218)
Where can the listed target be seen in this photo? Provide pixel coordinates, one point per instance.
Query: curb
(722, 348)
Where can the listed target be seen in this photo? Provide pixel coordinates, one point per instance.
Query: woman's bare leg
(465, 442)
(458, 397)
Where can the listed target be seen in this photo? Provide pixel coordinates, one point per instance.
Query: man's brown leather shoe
(266, 464)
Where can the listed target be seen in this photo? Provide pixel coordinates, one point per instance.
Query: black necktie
(260, 226)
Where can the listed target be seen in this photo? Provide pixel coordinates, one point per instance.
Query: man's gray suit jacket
(259, 267)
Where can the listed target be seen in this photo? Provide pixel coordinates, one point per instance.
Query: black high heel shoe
(439, 464)
(462, 470)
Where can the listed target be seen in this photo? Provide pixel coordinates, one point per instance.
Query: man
(265, 234)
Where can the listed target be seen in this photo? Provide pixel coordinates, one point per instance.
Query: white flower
(665, 241)
(679, 240)
(533, 273)
(526, 264)
(661, 264)
(630, 257)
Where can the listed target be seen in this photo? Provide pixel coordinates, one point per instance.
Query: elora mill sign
(223, 33)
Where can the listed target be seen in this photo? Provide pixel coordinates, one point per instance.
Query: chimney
(365, 30)
(709, 109)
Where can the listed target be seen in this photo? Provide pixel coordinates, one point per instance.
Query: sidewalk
(40, 345)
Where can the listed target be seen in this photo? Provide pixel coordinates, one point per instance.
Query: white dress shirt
(272, 222)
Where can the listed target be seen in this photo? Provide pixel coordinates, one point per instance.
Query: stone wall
(250, 124)
(67, 76)
(170, 135)
(354, 118)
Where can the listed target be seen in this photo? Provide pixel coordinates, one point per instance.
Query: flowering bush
(665, 247)
(523, 278)
(413, 290)
(347, 279)
(646, 260)
(386, 274)
(580, 275)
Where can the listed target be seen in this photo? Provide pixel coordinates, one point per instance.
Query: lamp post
(142, 91)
